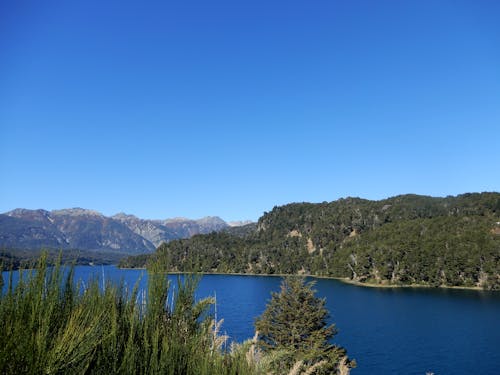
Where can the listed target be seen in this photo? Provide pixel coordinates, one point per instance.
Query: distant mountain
(240, 223)
(158, 231)
(83, 229)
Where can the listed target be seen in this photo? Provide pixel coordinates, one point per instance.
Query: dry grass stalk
(343, 367)
(296, 368)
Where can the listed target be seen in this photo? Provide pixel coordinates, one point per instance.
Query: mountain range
(84, 229)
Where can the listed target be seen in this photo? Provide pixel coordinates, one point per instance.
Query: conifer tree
(295, 322)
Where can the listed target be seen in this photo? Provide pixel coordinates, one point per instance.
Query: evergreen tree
(295, 325)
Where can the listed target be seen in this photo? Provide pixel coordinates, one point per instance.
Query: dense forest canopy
(407, 239)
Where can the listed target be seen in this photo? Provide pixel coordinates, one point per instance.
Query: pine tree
(295, 322)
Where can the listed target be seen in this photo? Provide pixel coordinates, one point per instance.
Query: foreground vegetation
(51, 325)
(404, 240)
(295, 325)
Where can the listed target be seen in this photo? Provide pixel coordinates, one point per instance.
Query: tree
(295, 325)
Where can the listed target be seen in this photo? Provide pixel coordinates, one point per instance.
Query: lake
(387, 331)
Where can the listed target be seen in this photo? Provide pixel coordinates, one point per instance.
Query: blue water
(387, 331)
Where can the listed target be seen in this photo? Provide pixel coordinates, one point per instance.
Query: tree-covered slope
(461, 251)
(406, 239)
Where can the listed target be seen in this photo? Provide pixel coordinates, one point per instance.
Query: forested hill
(408, 239)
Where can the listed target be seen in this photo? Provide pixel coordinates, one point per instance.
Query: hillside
(408, 239)
(88, 230)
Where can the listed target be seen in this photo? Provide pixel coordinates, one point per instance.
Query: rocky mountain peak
(77, 211)
(23, 212)
(239, 223)
(212, 220)
(122, 216)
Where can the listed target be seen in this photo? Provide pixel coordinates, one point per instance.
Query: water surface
(388, 331)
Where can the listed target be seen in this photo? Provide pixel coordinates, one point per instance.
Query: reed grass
(51, 324)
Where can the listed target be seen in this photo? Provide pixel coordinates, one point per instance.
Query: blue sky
(228, 108)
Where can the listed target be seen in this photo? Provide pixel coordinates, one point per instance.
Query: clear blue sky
(194, 108)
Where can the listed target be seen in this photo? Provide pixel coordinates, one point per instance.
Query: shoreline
(395, 286)
(345, 280)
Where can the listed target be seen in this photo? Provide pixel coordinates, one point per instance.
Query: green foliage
(138, 261)
(49, 325)
(294, 324)
(453, 251)
(406, 239)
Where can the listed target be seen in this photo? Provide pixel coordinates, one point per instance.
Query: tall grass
(49, 324)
